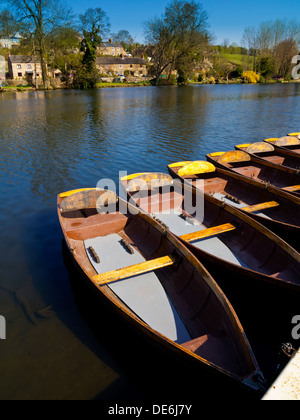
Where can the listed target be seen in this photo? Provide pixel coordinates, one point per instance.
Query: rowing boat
(251, 167)
(270, 206)
(258, 271)
(290, 143)
(223, 234)
(153, 281)
(267, 152)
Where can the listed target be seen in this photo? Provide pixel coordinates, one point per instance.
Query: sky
(227, 18)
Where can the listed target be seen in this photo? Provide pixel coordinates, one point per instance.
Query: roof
(111, 44)
(120, 60)
(6, 36)
(23, 59)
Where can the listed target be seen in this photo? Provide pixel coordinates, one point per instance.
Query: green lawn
(113, 84)
(237, 59)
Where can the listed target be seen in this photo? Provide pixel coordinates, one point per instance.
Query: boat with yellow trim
(243, 163)
(274, 208)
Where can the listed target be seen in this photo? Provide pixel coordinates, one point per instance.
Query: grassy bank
(115, 84)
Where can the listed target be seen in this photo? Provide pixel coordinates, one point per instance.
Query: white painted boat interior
(179, 226)
(143, 294)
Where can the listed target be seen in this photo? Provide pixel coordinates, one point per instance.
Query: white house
(2, 68)
(10, 41)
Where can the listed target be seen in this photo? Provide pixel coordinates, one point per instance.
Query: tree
(124, 38)
(283, 53)
(267, 66)
(94, 24)
(250, 41)
(62, 42)
(42, 16)
(8, 24)
(179, 36)
(274, 42)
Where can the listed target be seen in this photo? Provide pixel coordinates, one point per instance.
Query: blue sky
(227, 18)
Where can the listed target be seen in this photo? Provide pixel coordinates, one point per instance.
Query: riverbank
(100, 85)
(103, 85)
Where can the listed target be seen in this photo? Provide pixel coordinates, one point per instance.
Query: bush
(237, 73)
(262, 79)
(251, 76)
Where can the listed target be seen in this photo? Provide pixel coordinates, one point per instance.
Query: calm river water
(56, 141)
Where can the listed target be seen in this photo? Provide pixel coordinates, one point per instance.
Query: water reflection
(55, 141)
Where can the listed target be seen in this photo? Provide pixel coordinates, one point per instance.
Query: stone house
(2, 69)
(24, 67)
(10, 41)
(122, 66)
(111, 48)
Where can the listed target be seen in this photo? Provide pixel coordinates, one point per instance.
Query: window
(19, 74)
(121, 66)
(29, 66)
(19, 66)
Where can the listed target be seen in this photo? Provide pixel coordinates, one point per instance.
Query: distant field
(237, 59)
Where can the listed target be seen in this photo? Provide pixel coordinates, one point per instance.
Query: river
(57, 346)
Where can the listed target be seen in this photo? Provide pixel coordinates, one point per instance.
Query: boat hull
(137, 226)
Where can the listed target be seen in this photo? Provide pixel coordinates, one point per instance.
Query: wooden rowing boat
(290, 143)
(270, 206)
(267, 152)
(229, 236)
(153, 281)
(258, 271)
(251, 167)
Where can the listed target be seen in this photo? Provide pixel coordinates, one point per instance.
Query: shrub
(262, 79)
(251, 76)
(237, 73)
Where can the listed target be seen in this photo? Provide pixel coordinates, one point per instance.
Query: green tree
(267, 67)
(94, 24)
(180, 34)
(62, 42)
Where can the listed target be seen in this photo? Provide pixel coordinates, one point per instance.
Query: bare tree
(278, 40)
(284, 53)
(43, 16)
(250, 42)
(124, 38)
(181, 33)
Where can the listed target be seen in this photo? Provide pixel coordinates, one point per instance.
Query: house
(111, 48)
(122, 66)
(10, 41)
(24, 67)
(2, 68)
